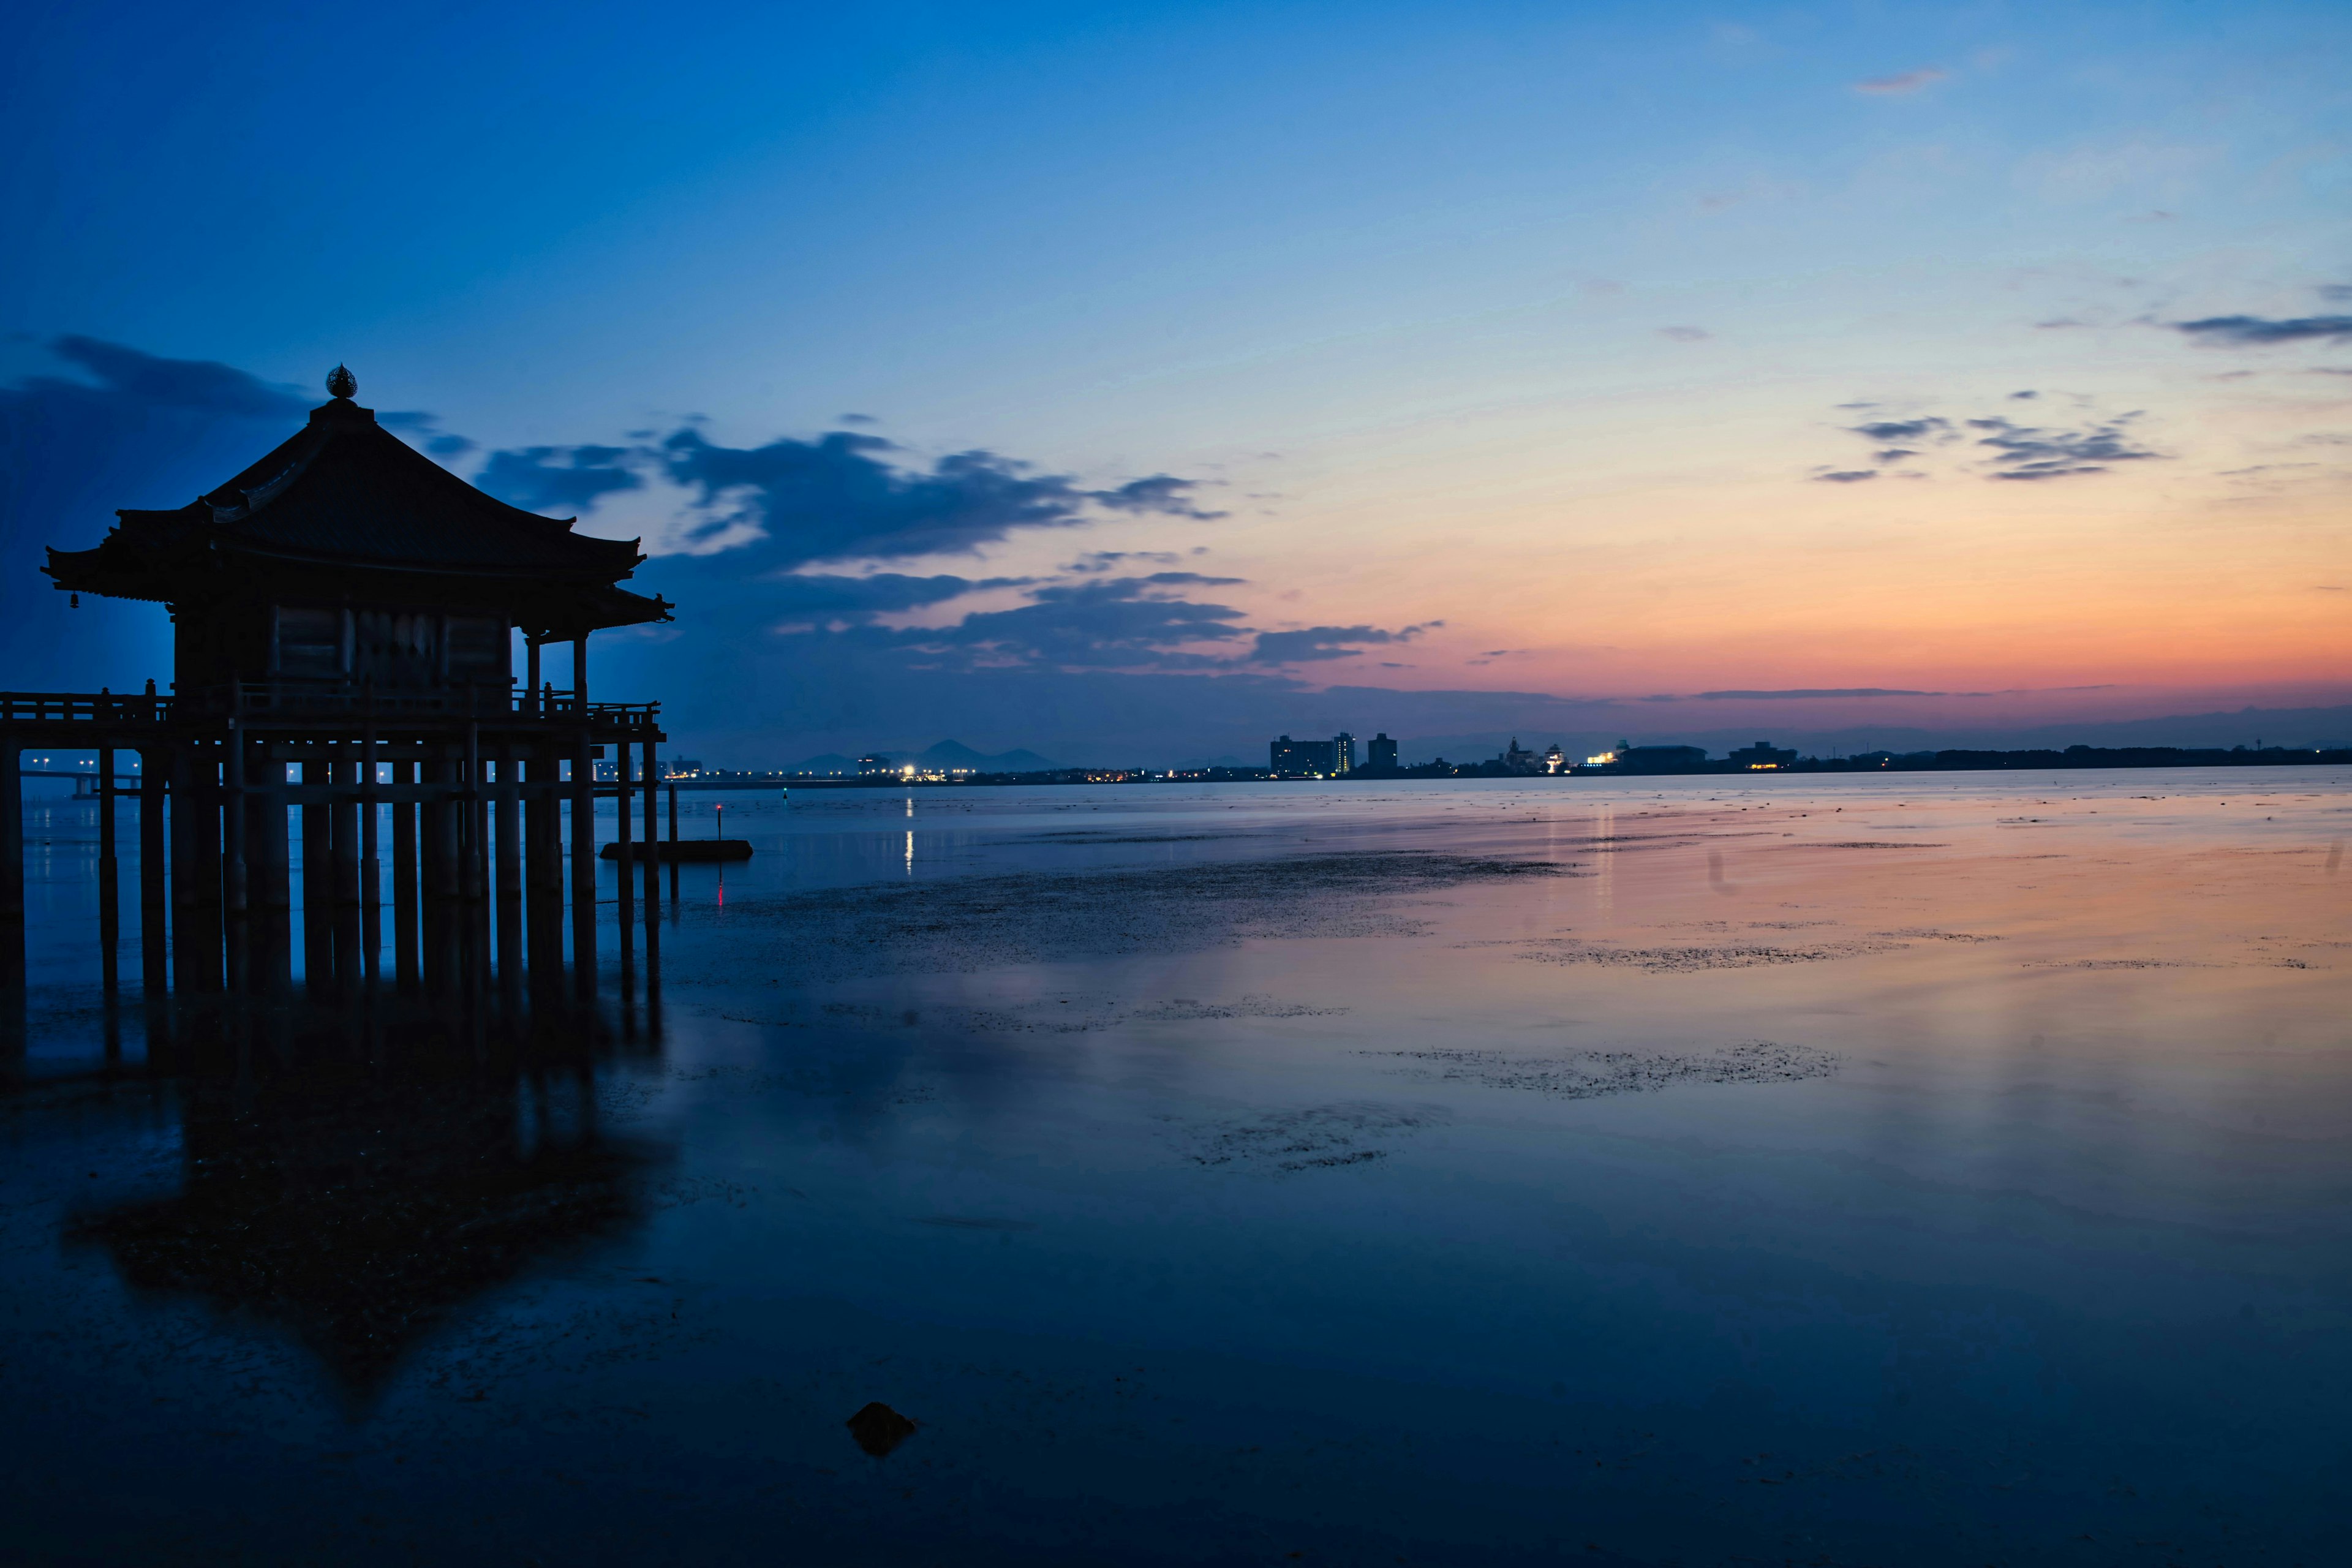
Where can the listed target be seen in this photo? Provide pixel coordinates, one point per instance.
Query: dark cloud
(1111, 560)
(127, 377)
(2029, 452)
(1314, 644)
(2262, 330)
(1162, 493)
(2023, 397)
(1847, 475)
(1119, 622)
(857, 419)
(881, 594)
(2336, 290)
(119, 427)
(836, 499)
(1925, 430)
(449, 446)
(558, 479)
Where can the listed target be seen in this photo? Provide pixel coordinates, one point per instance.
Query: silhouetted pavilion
(341, 605)
(348, 559)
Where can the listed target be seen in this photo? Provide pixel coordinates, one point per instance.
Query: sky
(1129, 383)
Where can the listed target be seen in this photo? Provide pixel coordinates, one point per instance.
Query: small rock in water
(878, 1428)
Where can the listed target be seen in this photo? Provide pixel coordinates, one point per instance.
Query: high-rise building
(1382, 752)
(1303, 759)
(1343, 753)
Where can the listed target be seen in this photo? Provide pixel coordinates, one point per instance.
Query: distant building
(680, 768)
(1519, 760)
(1629, 758)
(1292, 759)
(1381, 753)
(875, 766)
(1343, 750)
(1761, 757)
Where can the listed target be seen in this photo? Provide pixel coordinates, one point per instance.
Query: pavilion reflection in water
(357, 1188)
(343, 612)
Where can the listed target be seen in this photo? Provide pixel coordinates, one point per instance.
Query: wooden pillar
(477, 851)
(109, 879)
(652, 868)
(318, 880)
(204, 827)
(624, 911)
(579, 674)
(444, 888)
(370, 850)
(344, 843)
(184, 924)
(404, 878)
(509, 870)
(530, 703)
(12, 872)
(543, 870)
(270, 895)
(583, 863)
(154, 893)
(236, 902)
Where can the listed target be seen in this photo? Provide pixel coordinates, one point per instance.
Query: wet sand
(1938, 1169)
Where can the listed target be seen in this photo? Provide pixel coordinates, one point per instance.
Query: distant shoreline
(2073, 758)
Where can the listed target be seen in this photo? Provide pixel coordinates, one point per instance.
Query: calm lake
(1932, 1169)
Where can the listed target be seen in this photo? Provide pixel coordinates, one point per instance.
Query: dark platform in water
(683, 850)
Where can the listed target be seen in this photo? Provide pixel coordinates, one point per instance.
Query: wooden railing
(63, 707)
(263, 700)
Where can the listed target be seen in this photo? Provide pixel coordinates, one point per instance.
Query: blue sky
(1521, 340)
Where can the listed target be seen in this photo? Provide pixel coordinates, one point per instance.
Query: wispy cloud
(1900, 83)
(2263, 331)
(2033, 452)
(1807, 691)
(1685, 334)
(1317, 643)
(2008, 449)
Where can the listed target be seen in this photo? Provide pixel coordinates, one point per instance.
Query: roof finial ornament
(342, 383)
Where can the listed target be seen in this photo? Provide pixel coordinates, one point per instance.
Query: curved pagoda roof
(344, 499)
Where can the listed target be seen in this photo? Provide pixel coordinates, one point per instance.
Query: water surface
(1934, 1169)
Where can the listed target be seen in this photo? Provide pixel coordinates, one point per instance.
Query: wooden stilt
(110, 879)
(370, 860)
(653, 874)
(583, 865)
(404, 878)
(318, 885)
(186, 927)
(235, 904)
(624, 868)
(444, 887)
(154, 938)
(12, 875)
(204, 902)
(508, 828)
(268, 891)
